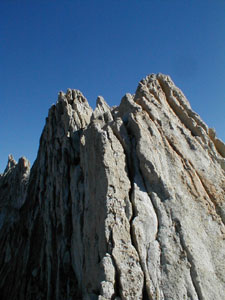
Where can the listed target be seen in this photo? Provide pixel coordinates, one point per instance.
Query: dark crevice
(145, 295)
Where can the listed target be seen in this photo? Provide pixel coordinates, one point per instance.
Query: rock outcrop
(121, 203)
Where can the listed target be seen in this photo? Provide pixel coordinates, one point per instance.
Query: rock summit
(122, 203)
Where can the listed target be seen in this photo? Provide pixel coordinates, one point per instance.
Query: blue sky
(104, 47)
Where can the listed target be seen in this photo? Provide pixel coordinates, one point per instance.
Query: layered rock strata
(121, 203)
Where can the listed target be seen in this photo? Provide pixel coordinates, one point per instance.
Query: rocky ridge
(121, 203)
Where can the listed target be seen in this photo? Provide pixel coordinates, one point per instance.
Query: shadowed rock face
(121, 203)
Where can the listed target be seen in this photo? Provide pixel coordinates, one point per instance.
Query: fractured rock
(121, 203)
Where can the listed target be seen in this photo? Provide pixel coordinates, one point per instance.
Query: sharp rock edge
(125, 202)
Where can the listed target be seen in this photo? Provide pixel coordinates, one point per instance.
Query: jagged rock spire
(122, 203)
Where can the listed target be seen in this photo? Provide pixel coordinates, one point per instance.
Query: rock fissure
(147, 289)
(193, 271)
(145, 294)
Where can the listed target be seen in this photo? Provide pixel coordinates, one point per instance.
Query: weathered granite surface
(121, 203)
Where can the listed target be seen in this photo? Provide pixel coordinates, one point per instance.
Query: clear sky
(104, 47)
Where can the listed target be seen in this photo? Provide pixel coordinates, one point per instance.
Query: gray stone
(121, 203)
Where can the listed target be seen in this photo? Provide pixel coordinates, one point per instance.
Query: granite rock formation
(123, 203)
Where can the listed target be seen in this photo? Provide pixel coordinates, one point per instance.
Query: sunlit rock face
(121, 203)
